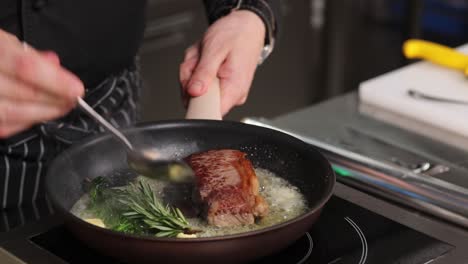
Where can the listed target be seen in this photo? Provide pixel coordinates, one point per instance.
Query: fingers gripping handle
(206, 106)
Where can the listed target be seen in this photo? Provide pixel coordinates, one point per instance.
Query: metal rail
(431, 195)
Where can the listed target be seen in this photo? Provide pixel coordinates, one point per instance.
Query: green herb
(104, 203)
(97, 185)
(126, 225)
(135, 209)
(145, 208)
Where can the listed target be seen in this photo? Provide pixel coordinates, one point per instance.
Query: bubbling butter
(285, 202)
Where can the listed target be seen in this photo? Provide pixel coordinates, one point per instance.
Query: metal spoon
(147, 162)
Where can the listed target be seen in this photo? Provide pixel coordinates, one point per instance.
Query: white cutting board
(388, 92)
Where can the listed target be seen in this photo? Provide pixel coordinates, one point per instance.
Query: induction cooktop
(345, 233)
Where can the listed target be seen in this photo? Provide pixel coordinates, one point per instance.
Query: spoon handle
(420, 95)
(206, 106)
(93, 114)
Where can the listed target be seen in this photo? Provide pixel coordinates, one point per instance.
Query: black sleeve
(267, 10)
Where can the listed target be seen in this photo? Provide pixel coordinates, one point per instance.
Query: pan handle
(206, 106)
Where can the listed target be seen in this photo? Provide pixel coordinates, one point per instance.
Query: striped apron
(24, 157)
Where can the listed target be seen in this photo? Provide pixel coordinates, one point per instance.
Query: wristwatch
(263, 10)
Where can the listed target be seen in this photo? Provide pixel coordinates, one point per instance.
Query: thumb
(205, 71)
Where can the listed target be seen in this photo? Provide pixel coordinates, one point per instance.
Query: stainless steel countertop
(337, 123)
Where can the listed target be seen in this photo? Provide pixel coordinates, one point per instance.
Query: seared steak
(228, 187)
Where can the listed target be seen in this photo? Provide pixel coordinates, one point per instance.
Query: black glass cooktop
(345, 233)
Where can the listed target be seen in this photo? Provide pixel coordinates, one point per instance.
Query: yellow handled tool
(436, 53)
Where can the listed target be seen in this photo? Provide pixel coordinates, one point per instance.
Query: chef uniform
(98, 41)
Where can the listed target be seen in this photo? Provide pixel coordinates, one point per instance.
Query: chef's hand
(33, 86)
(230, 50)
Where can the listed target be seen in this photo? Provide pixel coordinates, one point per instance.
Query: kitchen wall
(363, 38)
(325, 48)
(281, 84)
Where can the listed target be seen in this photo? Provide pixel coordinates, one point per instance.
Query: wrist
(251, 22)
(259, 8)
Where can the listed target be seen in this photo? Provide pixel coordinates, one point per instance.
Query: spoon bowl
(150, 163)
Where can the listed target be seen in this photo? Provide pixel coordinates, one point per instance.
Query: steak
(227, 186)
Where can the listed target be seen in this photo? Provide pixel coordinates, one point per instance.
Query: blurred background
(325, 48)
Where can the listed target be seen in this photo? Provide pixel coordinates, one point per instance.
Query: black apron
(24, 158)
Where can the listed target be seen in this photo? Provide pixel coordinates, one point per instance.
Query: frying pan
(286, 156)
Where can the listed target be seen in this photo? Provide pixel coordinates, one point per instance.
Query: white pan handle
(206, 106)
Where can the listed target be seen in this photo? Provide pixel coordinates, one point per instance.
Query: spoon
(420, 95)
(146, 162)
(155, 164)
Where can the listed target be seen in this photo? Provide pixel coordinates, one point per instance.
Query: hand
(230, 50)
(33, 86)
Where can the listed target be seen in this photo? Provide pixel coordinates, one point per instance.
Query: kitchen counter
(338, 123)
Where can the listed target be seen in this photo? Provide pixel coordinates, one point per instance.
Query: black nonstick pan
(288, 157)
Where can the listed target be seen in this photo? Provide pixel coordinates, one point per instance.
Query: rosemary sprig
(96, 188)
(128, 226)
(144, 207)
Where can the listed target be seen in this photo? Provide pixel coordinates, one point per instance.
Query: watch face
(266, 51)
